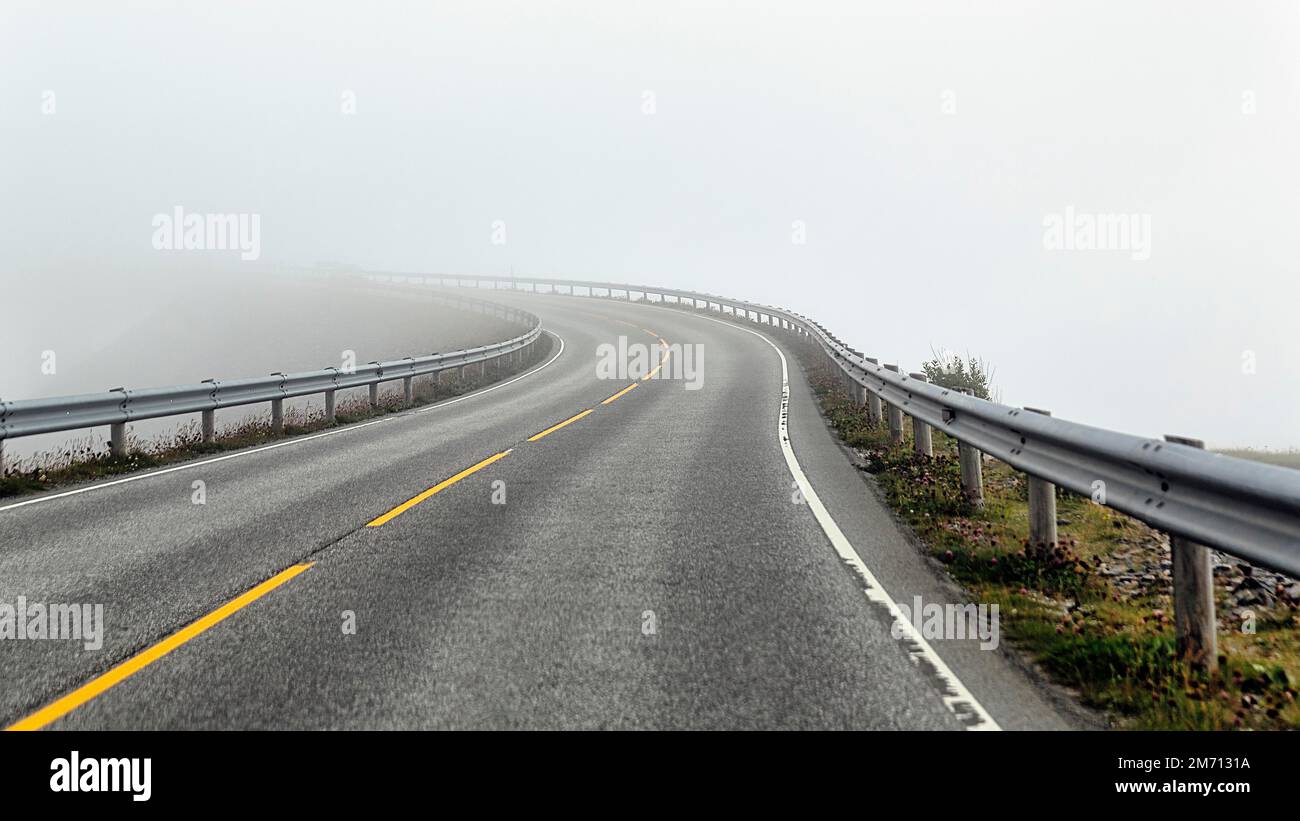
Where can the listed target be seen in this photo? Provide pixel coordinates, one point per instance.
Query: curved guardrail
(1248, 509)
(118, 406)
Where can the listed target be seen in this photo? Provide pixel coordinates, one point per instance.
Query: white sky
(923, 228)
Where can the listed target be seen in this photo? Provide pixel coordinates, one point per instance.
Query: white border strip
(954, 694)
(295, 441)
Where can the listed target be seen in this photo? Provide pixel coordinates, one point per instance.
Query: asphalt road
(666, 507)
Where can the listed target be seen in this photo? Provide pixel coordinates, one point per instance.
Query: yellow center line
(657, 368)
(620, 393)
(554, 428)
(663, 360)
(144, 658)
(443, 485)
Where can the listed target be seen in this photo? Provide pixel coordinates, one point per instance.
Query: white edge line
(294, 441)
(955, 696)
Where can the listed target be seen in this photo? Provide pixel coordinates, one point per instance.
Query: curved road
(667, 508)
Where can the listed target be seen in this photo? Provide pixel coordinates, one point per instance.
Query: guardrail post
(408, 390)
(972, 470)
(277, 416)
(895, 417)
(921, 441)
(874, 412)
(1194, 622)
(1042, 506)
(329, 407)
(209, 426)
(374, 394)
(117, 439)
(2, 458)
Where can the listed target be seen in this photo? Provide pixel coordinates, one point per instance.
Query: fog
(891, 169)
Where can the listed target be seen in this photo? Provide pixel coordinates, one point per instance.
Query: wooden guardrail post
(874, 411)
(1194, 622)
(972, 470)
(895, 416)
(921, 441)
(1042, 506)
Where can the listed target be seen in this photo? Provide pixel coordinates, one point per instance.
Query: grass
(1089, 627)
(88, 458)
(1284, 458)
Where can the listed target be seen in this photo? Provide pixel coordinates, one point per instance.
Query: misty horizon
(912, 180)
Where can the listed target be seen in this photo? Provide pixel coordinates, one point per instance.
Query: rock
(1249, 583)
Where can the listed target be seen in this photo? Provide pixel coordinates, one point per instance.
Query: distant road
(665, 507)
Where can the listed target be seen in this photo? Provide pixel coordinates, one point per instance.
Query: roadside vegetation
(88, 458)
(1095, 610)
(1282, 458)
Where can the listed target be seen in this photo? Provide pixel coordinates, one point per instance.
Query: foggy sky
(920, 145)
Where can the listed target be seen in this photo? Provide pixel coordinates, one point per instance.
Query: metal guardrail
(118, 406)
(1248, 509)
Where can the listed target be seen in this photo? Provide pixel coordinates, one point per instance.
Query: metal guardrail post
(208, 418)
(408, 391)
(329, 407)
(1194, 621)
(117, 439)
(895, 416)
(972, 470)
(1042, 505)
(374, 394)
(921, 441)
(277, 416)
